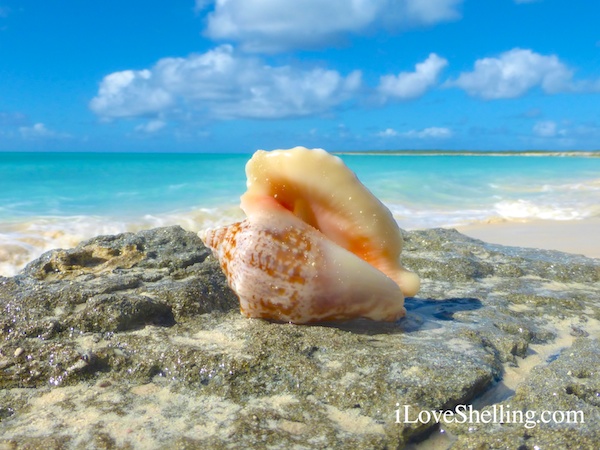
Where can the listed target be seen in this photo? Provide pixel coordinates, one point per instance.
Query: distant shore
(576, 236)
(544, 153)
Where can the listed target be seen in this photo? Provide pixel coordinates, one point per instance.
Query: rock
(107, 284)
(135, 340)
(560, 403)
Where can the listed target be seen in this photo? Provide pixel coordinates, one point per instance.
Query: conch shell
(316, 244)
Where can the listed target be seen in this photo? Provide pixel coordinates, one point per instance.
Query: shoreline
(575, 236)
(492, 153)
(580, 237)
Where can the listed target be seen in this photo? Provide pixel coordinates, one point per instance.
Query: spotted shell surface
(294, 274)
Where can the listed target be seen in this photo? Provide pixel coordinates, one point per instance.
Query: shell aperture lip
(320, 189)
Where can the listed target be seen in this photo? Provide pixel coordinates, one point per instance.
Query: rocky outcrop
(135, 340)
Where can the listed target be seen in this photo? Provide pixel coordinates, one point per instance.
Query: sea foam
(21, 242)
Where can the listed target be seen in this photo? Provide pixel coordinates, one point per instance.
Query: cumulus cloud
(222, 84)
(514, 73)
(409, 85)
(131, 93)
(40, 131)
(279, 25)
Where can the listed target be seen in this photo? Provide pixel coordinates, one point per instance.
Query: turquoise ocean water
(50, 200)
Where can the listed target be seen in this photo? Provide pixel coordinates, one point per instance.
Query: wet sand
(579, 237)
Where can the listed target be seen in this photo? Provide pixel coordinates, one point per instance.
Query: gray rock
(135, 340)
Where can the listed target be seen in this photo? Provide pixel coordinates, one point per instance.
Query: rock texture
(135, 341)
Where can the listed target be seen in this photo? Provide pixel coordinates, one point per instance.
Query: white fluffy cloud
(222, 84)
(513, 73)
(132, 93)
(409, 85)
(278, 25)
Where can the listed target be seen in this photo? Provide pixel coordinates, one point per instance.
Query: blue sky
(237, 75)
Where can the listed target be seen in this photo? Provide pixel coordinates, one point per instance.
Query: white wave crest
(21, 242)
(527, 210)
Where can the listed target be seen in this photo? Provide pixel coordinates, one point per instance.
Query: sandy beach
(579, 237)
